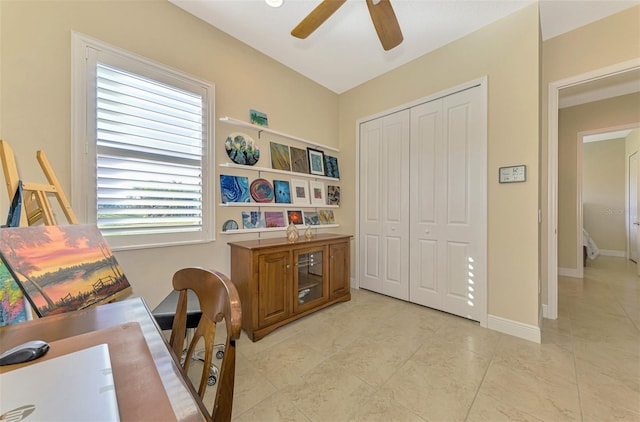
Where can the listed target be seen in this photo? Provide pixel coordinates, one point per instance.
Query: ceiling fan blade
(386, 23)
(316, 18)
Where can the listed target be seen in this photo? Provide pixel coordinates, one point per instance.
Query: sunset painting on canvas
(62, 268)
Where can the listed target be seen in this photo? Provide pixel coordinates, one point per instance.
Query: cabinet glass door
(310, 277)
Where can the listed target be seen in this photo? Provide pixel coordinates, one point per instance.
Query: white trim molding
(515, 328)
(610, 252)
(570, 272)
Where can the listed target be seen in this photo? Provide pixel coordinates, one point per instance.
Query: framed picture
(326, 217)
(331, 166)
(311, 218)
(259, 118)
(234, 188)
(281, 191)
(333, 195)
(300, 192)
(295, 217)
(252, 220)
(316, 161)
(62, 268)
(316, 192)
(280, 159)
(274, 219)
(299, 160)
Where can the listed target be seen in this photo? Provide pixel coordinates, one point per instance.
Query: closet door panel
(395, 199)
(428, 193)
(465, 204)
(457, 161)
(370, 236)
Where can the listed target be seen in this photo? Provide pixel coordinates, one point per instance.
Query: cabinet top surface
(282, 241)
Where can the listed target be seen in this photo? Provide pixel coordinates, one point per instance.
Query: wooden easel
(36, 205)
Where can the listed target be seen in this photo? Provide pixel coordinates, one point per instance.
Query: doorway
(551, 309)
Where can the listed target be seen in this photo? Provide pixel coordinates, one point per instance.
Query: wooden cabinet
(279, 282)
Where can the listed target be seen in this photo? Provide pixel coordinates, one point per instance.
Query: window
(142, 149)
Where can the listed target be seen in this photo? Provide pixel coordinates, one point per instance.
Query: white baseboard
(352, 282)
(514, 328)
(609, 252)
(569, 272)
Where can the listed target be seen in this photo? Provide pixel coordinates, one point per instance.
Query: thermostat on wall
(512, 174)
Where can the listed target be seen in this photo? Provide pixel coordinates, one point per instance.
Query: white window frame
(84, 52)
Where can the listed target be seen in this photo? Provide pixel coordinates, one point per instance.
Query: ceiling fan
(382, 15)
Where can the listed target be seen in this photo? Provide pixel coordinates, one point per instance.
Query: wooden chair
(219, 300)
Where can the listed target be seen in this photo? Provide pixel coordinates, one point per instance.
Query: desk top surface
(95, 320)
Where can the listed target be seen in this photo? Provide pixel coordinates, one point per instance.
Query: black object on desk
(166, 310)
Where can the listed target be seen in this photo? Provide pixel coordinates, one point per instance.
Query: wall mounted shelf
(279, 229)
(270, 170)
(261, 129)
(275, 204)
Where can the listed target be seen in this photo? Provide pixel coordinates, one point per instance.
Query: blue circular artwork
(242, 149)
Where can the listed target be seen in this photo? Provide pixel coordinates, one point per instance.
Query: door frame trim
(482, 83)
(554, 87)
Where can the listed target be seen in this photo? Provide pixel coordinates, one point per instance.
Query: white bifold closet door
(384, 205)
(422, 204)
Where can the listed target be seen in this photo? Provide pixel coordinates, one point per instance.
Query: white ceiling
(345, 51)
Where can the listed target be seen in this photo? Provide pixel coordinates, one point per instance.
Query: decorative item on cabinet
(292, 233)
(308, 233)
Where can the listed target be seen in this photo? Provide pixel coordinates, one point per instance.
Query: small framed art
(252, 220)
(316, 192)
(326, 217)
(234, 188)
(333, 195)
(274, 219)
(311, 218)
(316, 161)
(295, 217)
(300, 192)
(331, 166)
(281, 191)
(299, 160)
(258, 118)
(280, 159)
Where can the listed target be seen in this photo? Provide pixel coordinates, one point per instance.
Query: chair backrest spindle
(219, 300)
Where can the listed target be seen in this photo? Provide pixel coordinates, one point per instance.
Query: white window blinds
(142, 148)
(149, 149)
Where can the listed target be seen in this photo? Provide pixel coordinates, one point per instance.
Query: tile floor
(380, 359)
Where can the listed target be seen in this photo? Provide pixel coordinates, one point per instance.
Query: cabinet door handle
(288, 266)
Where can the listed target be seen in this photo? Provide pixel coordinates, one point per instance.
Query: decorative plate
(261, 190)
(242, 149)
(229, 225)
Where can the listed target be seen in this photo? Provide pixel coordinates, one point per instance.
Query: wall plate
(512, 174)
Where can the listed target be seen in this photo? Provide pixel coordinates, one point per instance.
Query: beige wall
(604, 114)
(603, 193)
(613, 40)
(507, 52)
(35, 104)
(35, 81)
